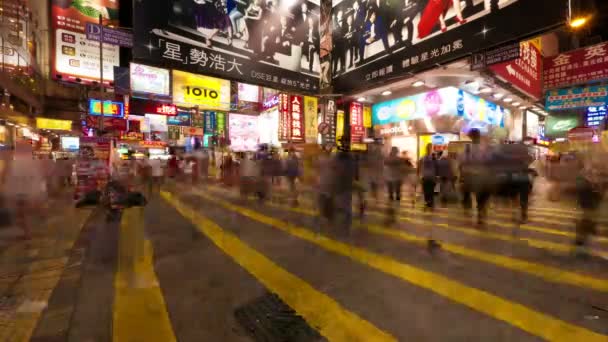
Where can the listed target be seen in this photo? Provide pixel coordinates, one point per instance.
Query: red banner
(357, 131)
(525, 72)
(578, 66)
(297, 119)
(114, 124)
(284, 117)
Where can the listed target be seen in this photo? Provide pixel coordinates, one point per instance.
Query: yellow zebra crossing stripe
(140, 312)
(527, 319)
(322, 312)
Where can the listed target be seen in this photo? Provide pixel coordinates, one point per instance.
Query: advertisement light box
(150, 80)
(110, 108)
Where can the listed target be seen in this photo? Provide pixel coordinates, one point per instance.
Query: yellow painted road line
(548, 273)
(515, 314)
(319, 310)
(139, 312)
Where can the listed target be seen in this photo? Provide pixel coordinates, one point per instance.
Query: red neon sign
(166, 109)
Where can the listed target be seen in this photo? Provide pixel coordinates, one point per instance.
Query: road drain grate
(269, 319)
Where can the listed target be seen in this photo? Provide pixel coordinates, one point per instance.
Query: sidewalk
(30, 270)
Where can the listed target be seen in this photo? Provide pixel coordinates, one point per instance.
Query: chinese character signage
(577, 98)
(150, 80)
(220, 121)
(284, 117)
(367, 116)
(379, 41)
(141, 107)
(75, 56)
(297, 120)
(576, 67)
(198, 119)
(206, 92)
(209, 122)
(110, 108)
(524, 73)
(329, 118)
(276, 45)
(310, 118)
(357, 131)
(595, 116)
(174, 132)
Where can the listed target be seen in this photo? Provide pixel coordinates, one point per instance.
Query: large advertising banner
(243, 132)
(272, 43)
(561, 99)
(76, 57)
(150, 80)
(379, 41)
(198, 90)
(444, 101)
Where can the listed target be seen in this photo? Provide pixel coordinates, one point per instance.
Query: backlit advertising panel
(74, 56)
(379, 41)
(150, 80)
(243, 132)
(276, 44)
(198, 90)
(110, 108)
(268, 124)
(439, 102)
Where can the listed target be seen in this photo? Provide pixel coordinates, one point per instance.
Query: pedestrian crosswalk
(546, 236)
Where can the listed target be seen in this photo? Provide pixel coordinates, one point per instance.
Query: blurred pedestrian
(394, 169)
(446, 177)
(427, 172)
(293, 172)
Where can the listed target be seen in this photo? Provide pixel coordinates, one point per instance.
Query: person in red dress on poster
(434, 11)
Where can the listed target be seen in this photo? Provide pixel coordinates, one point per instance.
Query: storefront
(438, 117)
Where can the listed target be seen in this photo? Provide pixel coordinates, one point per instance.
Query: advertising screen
(76, 57)
(275, 43)
(150, 80)
(110, 108)
(243, 132)
(181, 119)
(206, 92)
(558, 126)
(532, 124)
(70, 143)
(268, 123)
(158, 123)
(443, 101)
(248, 92)
(377, 41)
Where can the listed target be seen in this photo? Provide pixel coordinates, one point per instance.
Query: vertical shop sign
(339, 126)
(524, 72)
(367, 116)
(330, 119)
(220, 122)
(284, 117)
(210, 123)
(297, 127)
(174, 132)
(357, 131)
(197, 119)
(310, 119)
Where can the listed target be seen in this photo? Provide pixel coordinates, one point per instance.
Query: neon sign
(110, 108)
(166, 109)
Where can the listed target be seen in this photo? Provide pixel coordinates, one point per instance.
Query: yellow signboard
(310, 118)
(339, 126)
(203, 91)
(367, 116)
(54, 124)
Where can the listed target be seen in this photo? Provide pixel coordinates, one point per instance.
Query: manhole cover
(269, 319)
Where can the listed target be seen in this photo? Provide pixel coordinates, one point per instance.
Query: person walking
(394, 167)
(292, 168)
(446, 177)
(428, 173)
